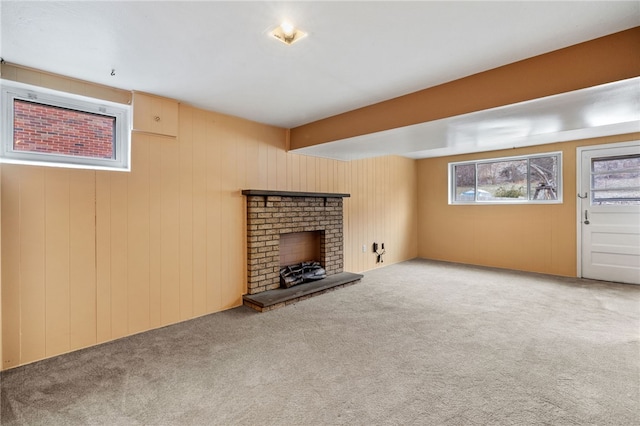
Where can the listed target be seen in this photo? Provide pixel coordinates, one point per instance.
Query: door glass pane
(615, 180)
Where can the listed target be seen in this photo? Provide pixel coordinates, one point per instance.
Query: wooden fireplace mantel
(266, 193)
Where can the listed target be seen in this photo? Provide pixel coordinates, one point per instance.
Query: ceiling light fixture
(287, 33)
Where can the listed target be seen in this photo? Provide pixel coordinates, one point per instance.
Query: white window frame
(11, 91)
(452, 181)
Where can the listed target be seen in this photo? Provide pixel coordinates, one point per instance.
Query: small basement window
(50, 128)
(524, 179)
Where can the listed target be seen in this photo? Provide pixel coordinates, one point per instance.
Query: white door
(609, 210)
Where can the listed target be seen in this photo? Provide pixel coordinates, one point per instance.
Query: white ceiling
(217, 55)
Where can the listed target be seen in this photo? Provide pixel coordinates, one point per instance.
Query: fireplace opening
(297, 247)
(301, 258)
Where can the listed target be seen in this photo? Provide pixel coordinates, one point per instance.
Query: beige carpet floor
(416, 343)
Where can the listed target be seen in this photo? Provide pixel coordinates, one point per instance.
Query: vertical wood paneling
(388, 201)
(1, 322)
(138, 236)
(296, 177)
(240, 215)
(82, 259)
(363, 210)
(253, 161)
(241, 163)
(343, 182)
(356, 202)
(311, 174)
(10, 266)
(185, 146)
(405, 228)
(379, 207)
(103, 256)
(294, 172)
(393, 219)
(377, 187)
(263, 166)
(282, 165)
(32, 264)
(405, 182)
(155, 232)
(238, 265)
(272, 167)
(199, 212)
(350, 256)
(213, 217)
(299, 174)
(384, 204)
(308, 170)
(562, 240)
(333, 165)
(1, 329)
(238, 236)
(369, 195)
(326, 175)
(228, 239)
(170, 230)
(119, 256)
(57, 260)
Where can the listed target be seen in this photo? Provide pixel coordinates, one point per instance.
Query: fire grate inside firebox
(301, 273)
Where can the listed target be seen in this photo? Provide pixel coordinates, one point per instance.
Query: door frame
(580, 190)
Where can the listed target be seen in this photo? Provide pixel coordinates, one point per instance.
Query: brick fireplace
(271, 214)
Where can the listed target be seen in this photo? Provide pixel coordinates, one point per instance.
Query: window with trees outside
(45, 127)
(524, 179)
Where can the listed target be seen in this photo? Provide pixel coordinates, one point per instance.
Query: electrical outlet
(364, 248)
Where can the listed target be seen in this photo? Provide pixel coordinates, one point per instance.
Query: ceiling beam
(603, 60)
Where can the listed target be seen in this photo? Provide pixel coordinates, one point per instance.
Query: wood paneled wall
(1, 355)
(92, 256)
(536, 238)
